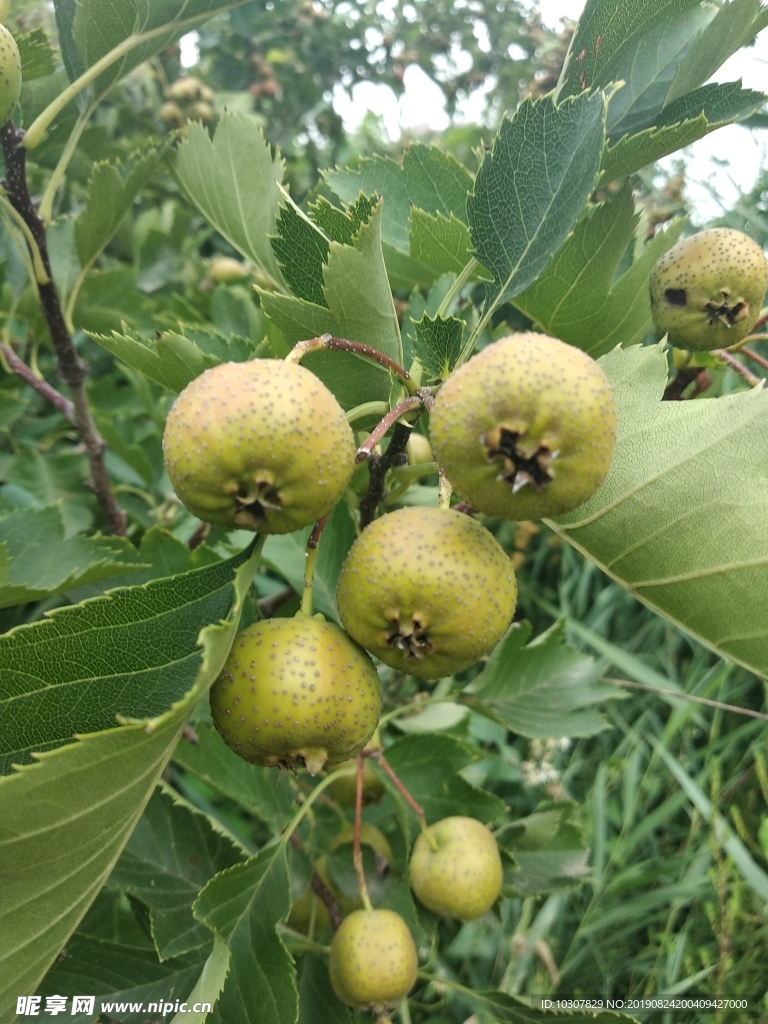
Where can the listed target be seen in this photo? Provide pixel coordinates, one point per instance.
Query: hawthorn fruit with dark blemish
(261, 445)
(429, 591)
(707, 290)
(296, 693)
(526, 428)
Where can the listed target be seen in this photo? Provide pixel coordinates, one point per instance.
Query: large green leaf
(233, 180)
(579, 297)
(65, 819)
(682, 519)
(531, 188)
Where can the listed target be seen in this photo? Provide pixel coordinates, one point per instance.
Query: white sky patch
(190, 55)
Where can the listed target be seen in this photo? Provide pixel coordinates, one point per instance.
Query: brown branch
(71, 369)
(268, 605)
(378, 467)
(755, 356)
(327, 341)
(688, 696)
(42, 387)
(331, 905)
(381, 428)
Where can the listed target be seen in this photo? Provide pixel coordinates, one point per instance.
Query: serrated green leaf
(172, 853)
(437, 344)
(361, 308)
(342, 225)
(429, 768)
(733, 25)
(532, 187)
(681, 519)
(607, 39)
(579, 299)
(439, 242)
(56, 855)
(385, 177)
(690, 118)
(28, 537)
(255, 789)
(243, 905)
(118, 973)
(233, 180)
(546, 689)
(649, 74)
(209, 984)
(37, 57)
(302, 250)
(435, 181)
(112, 189)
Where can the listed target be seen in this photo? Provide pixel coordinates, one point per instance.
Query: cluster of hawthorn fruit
(525, 429)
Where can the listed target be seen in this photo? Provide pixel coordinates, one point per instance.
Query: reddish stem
(381, 428)
(755, 356)
(314, 537)
(42, 387)
(417, 810)
(734, 363)
(327, 341)
(357, 853)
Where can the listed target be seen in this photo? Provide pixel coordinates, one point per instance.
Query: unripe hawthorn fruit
(10, 74)
(261, 445)
(296, 693)
(201, 111)
(418, 450)
(226, 268)
(184, 90)
(344, 789)
(373, 960)
(706, 291)
(526, 428)
(429, 591)
(172, 115)
(455, 868)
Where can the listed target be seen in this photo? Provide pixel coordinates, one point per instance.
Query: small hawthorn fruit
(455, 868)
(296, 693)
(427, 590)
(526, 428)
(261, 445)
(706, 291)
(344, 789)
(10, 74)
(373, 960)
(185, 90)
(172, 115)
(225, 269)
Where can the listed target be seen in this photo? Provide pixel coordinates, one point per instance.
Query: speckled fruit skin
(706, 291)
(296, 693)
(261, 445)
(429, 591)
(462, 875)
(526, 428)
(10, 74)
(373, 960)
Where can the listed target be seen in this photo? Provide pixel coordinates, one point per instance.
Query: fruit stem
(381, 428)
(444, 491)
(755, 356)
(357, 853)
(459, 281)
(377, 755)
(404, 1010)
(367, 409)
(302, 348)
(309, 566)
(734, 363)
(341, 773)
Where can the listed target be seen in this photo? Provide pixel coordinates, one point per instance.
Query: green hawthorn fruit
(201, 111)
(303, 908)
(10, 74)
(526, 428)
(261, 445)
(429, 591)
(419, 450)
(225, 269)
(172, 115)
(344, 789)
(373, 960)
(184, 90)
(455, 868)
(706, 291)
(296, 693)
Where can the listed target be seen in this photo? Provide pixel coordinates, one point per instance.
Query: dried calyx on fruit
(296, 693)
(429, 591)
(526, 428)
(261, 445)
(10, 74)
(373, 960)
(706, 291)
(455, 868)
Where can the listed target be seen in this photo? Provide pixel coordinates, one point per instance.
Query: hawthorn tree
(143, 861)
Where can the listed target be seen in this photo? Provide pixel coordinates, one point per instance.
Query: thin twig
(688, 696)
(359, 348)
(70, 367)
(674, 390)
(357, 853)
(734, 363)
(42, 387)
(755, 356)
(378, 756)
(268, 605)
(381, 428)
(378, 467)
